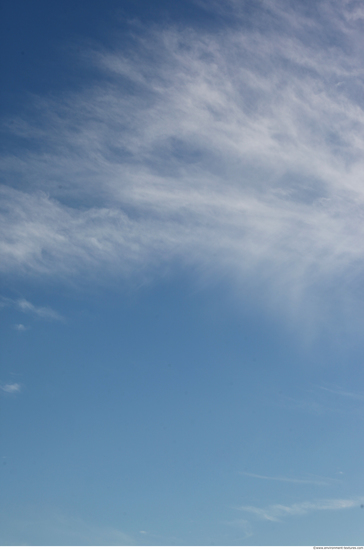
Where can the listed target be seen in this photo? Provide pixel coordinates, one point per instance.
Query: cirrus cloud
(238, 151)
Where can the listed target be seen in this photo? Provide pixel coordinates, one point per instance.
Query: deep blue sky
(36, 38)
(181, 275)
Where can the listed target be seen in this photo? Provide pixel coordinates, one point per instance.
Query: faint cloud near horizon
(58, 528)
(309, 481)
(277, 511)
(242, 524)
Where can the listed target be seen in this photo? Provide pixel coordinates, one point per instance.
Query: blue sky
(182, 257)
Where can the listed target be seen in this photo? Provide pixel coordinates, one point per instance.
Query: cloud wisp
(27, 307)
(237, 151)
(342, 393)
(276, 512)
(44, 312)
(20, 328)
(10, 388)
(310, 481)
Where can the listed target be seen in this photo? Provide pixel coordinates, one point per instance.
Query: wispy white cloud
(45, 312)
(27, 307)
(238, 151)
(313, 480)
(350, 395)
(11, 388)
(19, 327)
(277, 511)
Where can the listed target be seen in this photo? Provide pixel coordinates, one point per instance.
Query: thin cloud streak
(277, 511)
(317, 481)
(10, 388)
(350, 395)
(45, 312)
(27, 307)
(238, 152)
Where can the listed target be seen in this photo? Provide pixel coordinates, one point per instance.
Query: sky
(182, 260)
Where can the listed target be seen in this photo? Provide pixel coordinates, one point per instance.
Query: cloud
(237, 152)
(27, 307)
(19, 327)
(45, 312)
(312, 481)
(277, 511)
(11, 388)
(350, 395)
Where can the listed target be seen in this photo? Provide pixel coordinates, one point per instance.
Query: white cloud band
(237, 151)
(277, 511)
